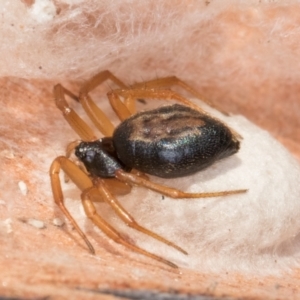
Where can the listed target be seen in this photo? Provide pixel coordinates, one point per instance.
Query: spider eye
(89, 156)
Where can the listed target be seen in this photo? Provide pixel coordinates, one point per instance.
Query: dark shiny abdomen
(172, 141)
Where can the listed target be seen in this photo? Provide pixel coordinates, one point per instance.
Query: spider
(170, 141)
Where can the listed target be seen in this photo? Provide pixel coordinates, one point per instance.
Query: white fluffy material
(75, 39)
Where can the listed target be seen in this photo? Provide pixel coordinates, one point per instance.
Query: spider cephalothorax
(97, 160)
(170, 141)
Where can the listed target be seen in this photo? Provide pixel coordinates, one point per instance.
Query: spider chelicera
(168, 142)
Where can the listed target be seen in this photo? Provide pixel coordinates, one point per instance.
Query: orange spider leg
(168, 82)
(130, 104)
(79, 178)
(91, 212)
(69, 150)
(118, 106)
(168, 191)
(97, 116)
(99, 78)
(159, 83)
(123, 112)
(126, 217)
(78, 125)
(117, 187)
(131, 94)
(171, 81)
(71, 146)
(140, 174)
(113, 96)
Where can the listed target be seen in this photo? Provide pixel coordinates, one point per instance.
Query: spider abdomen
(172, 141)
